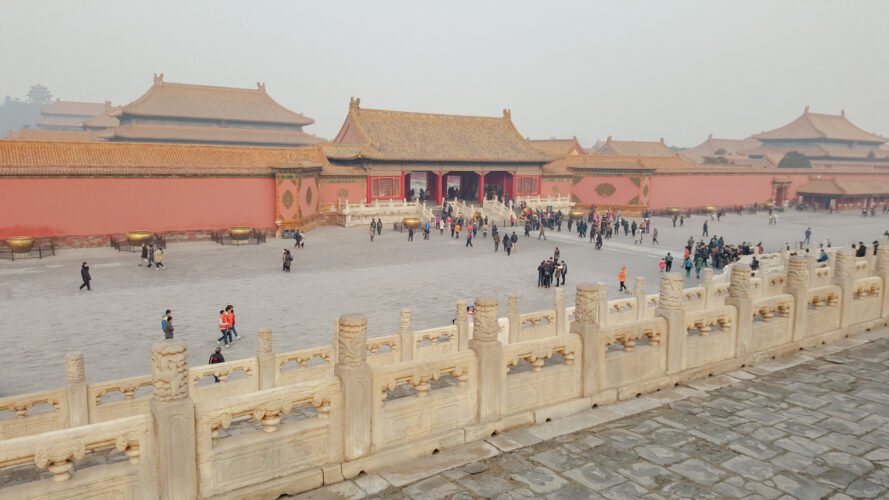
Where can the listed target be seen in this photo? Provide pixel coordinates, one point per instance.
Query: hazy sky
(632, 70)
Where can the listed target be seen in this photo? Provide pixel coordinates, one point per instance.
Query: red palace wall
(555, 188)
(352, 191)
(607, 190)
(90, 206)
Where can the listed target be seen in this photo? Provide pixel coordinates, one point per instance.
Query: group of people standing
(227, 326)
(552, 268)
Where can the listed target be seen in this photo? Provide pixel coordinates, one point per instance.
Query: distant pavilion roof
(576, 164)
(844, 187)
(634, 148)
(32, 158)
(35, 134)
(181, 100)
(404, 136)
(816, 126)
(189, 133)
(60, 107)
(732, 148)
(558, 146)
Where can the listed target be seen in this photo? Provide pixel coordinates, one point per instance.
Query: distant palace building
(823, 139)
(70, 115)
(561, 147)
(389, 153)
(633, 148)
(201, 114)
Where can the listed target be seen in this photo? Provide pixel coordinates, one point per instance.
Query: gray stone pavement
(340, 271)
(811, 425)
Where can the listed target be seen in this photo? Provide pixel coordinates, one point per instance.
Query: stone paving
(340, 271)
(810, 425)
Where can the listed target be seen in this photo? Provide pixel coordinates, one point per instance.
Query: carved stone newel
(797, 272)
(264, 341)
(485, 314)
(585, 302)
(740, 286)
(352, 340)
(74, 370)
(169, 371)
(671, 292)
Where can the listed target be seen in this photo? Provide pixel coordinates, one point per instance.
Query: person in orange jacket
(223, 329)
(230, 311)
(622, 278)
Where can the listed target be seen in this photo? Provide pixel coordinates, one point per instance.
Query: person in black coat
(85, 274)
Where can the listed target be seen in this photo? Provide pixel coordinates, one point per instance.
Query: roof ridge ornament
(260, 86)
(805, 111)
(158, 78)
(354, 102)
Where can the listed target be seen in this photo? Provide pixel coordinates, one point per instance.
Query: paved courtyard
(811, 425)
(340, 271)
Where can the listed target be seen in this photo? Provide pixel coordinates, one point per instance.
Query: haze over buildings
(638, 71)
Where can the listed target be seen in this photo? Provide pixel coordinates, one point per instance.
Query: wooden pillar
(369, 189)
(481, 187)
(441, 187)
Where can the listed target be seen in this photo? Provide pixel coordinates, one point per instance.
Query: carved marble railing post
(462, 323)
(639, 293)
(356, 377)
(707, 285)
(512, 313)
(173, 413)
(740, 295)
(812, 262)
(561, 316)
(844, 276)
(882, 270)
(407, 335)
(586, 312)
(75, 387)
(798, 285)
(491, 366)
(670, 308)
(265, 356)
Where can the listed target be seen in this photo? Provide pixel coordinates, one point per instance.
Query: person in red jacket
(223, 329)
(230, 310)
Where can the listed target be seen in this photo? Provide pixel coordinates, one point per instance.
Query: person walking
(556, 254)
(468, 238)
(564, 271)
(542, 233)
(230, 310)
(688, 266)
(507, 245)
(699, 264)
(668, 262)
(410, 234)
(515, 241)
(705, 232)
(288, 257)
(379, 226)
(217, 357)
(808, 235)
(223, 329)
(150, 255)
(159, 260)
(622, 279)
(373, 231)
(496, 239)
(168, 327)
(144, 254)
(654, 237)
(541, 272)
(164, 320)
(85, 275)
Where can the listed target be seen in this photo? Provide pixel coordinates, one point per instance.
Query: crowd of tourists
(552, 268)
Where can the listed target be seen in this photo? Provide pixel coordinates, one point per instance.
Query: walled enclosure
(288, 422)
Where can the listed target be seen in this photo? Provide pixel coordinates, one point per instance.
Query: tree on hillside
(794, 159)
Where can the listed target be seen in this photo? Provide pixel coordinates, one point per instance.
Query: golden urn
(139, 236)
(20, 244)
(240, 232)
(709, 208)
(411, 222)
(575, 214)
(673, 210)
